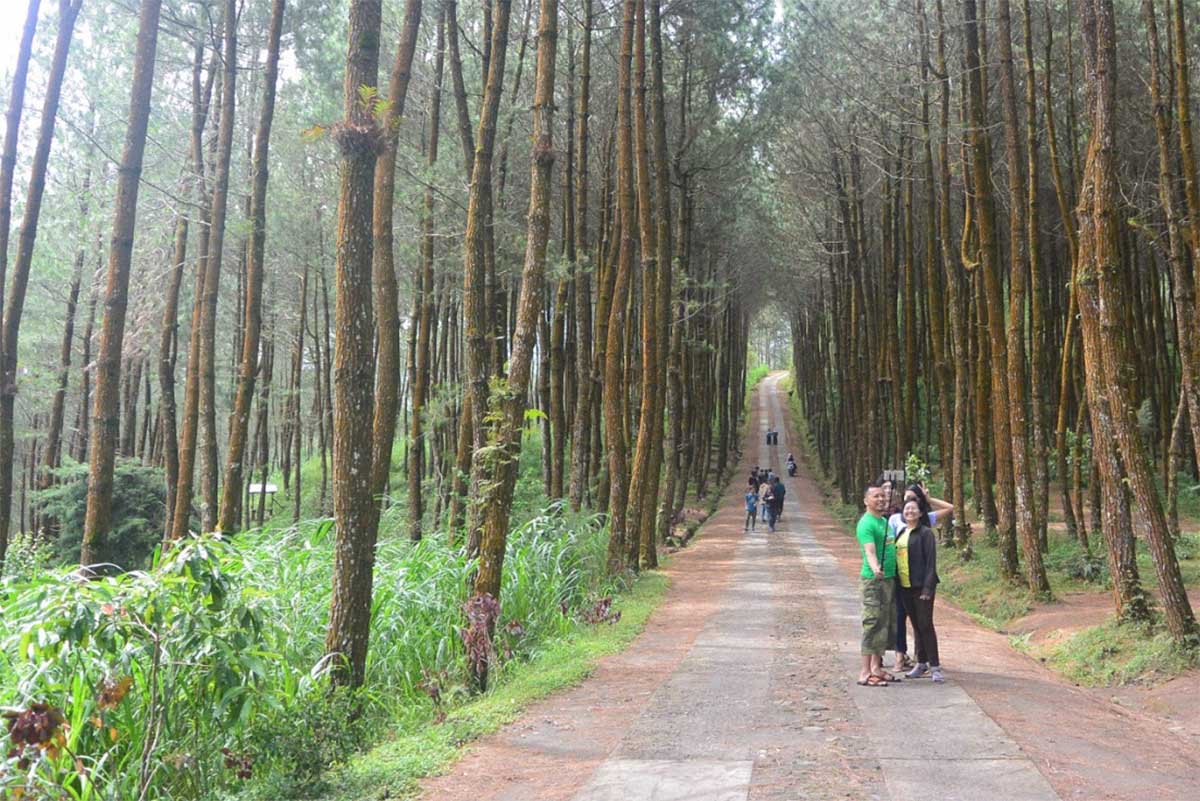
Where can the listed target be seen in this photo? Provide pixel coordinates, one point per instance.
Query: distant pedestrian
(779, 491)
(768, 501)
(764, 492)
(791, 465)
(916, 573)
(751, 509)
(877, 583)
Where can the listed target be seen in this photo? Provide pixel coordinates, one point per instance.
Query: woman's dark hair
(922, 502)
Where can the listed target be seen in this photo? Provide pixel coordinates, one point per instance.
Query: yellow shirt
(902, 558)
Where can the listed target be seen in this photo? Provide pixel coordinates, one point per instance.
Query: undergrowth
(203, 677)
(416, 750)
(1116, 653)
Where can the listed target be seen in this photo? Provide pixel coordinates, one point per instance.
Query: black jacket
(922, 559)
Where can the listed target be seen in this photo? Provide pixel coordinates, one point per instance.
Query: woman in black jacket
(916, 575)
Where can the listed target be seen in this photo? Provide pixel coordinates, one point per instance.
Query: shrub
(229, 637)
(138, 508)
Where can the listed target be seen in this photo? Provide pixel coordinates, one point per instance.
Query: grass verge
(1114, 654)
(392, 770)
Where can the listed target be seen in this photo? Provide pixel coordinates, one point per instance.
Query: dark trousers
(901, 620)
(921, 613)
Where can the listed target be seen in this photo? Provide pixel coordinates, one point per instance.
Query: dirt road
(742, 687)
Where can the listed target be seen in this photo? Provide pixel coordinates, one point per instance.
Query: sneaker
(937, 676)
(919, 670)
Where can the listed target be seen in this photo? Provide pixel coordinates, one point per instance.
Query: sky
(12, 17)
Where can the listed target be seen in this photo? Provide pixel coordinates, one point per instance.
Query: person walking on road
(751, 509)
(764, 490)
(877, 583)
(779, 491)
(768, 501)
(916, 573)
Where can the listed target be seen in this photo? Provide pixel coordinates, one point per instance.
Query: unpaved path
(741, 687)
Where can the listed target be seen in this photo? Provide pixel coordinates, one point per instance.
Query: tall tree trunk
(476, 302)
(1104, 355)
(8, 158)
(500, 468)
(169, 332)
(425, 323)
(989, 253)
(83, 418)
(239, 419)
(178, 526)
(1016, 402)
(14, 305)
(1101, 300)
(133, 386)
(1037, 323)
(614, 370)
(293, 411)
(663, 287)
(640, 542)
(102, 448)
(955, 304)
(212, 275)
(53, 450)
(263, 457)
(354, 508)
(386, 300)
(1184, 288)
(585, 382)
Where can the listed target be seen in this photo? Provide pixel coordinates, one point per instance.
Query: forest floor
(742, 687)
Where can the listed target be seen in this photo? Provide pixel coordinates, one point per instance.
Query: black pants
(921, 614)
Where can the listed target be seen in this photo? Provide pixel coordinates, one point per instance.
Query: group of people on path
(898, 581)
(899, 578)
(764, 495)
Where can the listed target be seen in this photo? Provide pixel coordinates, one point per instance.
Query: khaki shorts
(878, 615)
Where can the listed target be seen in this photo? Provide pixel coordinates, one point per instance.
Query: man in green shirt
(877, 582)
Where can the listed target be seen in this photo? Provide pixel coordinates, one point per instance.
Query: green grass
(754, 377)
(421, 749)
(977, 588)
(1116, 653)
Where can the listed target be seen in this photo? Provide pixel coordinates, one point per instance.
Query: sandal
(885, 676)
(872, 681)
(905, 662)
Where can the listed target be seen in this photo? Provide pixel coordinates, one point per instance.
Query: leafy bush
(916, 470)
(28, 556)
(138, 507)
(1075, 564)
(228, 637)
(148, 670)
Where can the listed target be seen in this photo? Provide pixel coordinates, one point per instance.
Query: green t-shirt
(875, 530)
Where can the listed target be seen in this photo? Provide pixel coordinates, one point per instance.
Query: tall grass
(203, 677)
